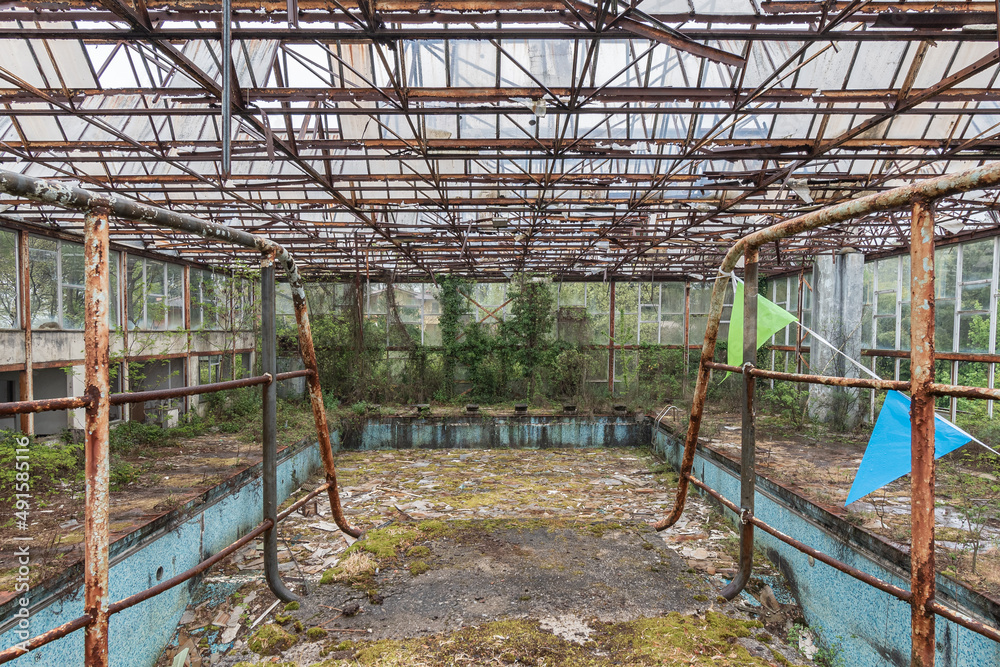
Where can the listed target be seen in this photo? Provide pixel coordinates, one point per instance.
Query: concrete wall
(482, 432)
(174, 542)
(869, 628)
(11, 347)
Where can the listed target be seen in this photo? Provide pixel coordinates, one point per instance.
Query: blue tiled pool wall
(864, 626)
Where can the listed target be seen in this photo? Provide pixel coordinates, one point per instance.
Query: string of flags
(887, 456)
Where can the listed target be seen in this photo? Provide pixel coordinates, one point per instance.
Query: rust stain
(97, 355)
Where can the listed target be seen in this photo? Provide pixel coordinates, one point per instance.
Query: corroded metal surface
(98, 400)
(44, 405)
(269, 463)
(875, 582)
(920, 196)
(308, 353)
(985, 176)
(167, 584)
(96, 512)
(922, 439)
(862, 383)
(18, 650)
(177, 392)
(748, 434)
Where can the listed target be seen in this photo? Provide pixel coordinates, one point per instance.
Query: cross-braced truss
(416, 137)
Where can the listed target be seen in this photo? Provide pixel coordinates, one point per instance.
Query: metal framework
(97, 400)
(920, 199)
(408, 138)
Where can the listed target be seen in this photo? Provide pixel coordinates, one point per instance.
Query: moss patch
(419, 567)
(384, 542)
(271, 639)
(674, 639)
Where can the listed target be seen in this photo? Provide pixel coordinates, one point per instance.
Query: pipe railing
(920, 197)
(97, 399)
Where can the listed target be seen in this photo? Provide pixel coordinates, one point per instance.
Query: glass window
(671, 299)
(155, 294)
(975, 297)
(598, 298)
(175, 296)
(114, 260)
(944, 324)
(701, 298)
(72, 285)
(209, 369)
(572, 294)
(43, 269)
(887, 272)
(135, 285)
(945, 266)
(977, 261)
(8, 281)
(649, 294)
(973, 333)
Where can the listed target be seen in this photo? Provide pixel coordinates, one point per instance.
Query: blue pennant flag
(887, 457)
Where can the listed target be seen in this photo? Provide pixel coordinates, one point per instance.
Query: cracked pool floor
(549, 550)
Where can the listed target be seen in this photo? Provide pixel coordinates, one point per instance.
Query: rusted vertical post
(232, 325)
(611, 339)
(687, 337)
(26, 379)
(308, 353)
(96, 355)
(922, 433)
(748, 458)
(187, 328)
(126, 384)
(269, 364)
(798, 315)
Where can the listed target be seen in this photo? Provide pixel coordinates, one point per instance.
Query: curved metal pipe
(269, 359)
(59, 194)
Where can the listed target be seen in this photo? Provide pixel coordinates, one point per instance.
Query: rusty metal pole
(611, 339)
(687, 339)
(269, 364)
(748, 458)
(97, 358)
(308, 353)
(26, 379)
(922, 437)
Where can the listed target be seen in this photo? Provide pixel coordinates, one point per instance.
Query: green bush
(123, 473)
(130, 436)
(234, 404)
(48, 464)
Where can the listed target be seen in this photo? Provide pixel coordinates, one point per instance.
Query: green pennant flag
(770, 318)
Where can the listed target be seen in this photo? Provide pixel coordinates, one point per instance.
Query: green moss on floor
(674, 639)
(384, 542)
(271, 639)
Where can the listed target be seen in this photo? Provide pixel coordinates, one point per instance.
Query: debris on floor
(500, 557)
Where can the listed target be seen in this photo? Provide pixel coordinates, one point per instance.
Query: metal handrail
(97, 398)
(922, 387)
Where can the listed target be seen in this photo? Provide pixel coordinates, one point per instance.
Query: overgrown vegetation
(50, 465)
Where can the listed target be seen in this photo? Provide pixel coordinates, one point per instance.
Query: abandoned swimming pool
(877, 635)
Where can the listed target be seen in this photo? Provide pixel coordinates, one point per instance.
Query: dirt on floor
(540, 557)
(159, 476)
(166, 477)
(820, 464)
